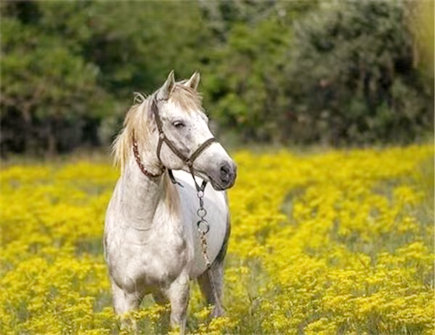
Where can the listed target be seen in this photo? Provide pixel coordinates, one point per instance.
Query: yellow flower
(336, 242)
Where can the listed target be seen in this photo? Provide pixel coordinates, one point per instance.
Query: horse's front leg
(178, 295)
(211, 282)
(124, 302)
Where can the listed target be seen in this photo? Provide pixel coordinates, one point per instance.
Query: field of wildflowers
(339, 242)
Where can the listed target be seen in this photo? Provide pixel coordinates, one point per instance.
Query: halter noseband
(163, 139)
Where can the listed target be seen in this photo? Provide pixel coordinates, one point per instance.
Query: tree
(244, 80)
(351, 76)
(273, 71)
(45, 88)
(69, 69)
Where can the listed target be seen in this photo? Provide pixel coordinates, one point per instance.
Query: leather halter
(163, 139)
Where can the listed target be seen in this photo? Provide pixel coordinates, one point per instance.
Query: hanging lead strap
(203, 226)
(203, 229)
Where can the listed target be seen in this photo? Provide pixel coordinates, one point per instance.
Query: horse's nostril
(225, 169)
(225, 172)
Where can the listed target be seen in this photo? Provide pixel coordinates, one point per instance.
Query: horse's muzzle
(225, 176)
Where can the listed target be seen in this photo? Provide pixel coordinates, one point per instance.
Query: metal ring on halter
(201, 212)
(203, 224)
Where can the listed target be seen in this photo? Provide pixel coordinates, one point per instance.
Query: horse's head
(184, 126)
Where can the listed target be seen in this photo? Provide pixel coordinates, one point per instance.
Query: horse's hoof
(217, 312)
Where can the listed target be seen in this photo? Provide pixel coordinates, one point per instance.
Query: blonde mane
(137, 118)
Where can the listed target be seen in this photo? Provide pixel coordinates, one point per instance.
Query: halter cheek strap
(163, 139)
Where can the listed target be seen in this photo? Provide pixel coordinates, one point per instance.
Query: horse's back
(215, 203)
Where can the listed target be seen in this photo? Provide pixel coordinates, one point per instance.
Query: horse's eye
(178, 124)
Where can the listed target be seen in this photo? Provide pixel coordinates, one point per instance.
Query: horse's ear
(167, 88)
(193, 82)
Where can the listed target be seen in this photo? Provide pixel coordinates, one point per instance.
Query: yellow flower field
(339, 242)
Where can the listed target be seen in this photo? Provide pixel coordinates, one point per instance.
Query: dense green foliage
(357, 66)
(273, 71)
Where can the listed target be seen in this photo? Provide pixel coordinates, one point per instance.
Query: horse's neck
(140, 196)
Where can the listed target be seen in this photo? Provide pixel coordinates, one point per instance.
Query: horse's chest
(155, 260)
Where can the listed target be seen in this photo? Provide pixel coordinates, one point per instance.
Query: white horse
(151, 239)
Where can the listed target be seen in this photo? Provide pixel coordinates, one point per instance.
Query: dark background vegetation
(287, 72)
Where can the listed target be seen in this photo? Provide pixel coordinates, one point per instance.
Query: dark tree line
(273, 71)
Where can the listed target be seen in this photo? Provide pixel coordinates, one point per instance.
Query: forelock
(187, 98)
